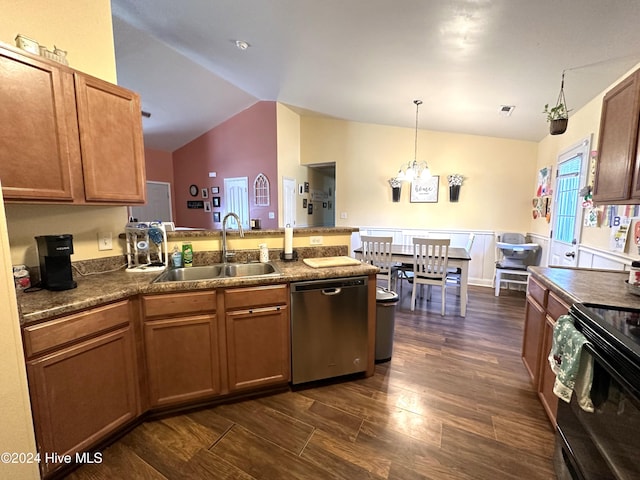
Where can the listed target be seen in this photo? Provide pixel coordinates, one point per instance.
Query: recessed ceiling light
(242, 45)
(506, 110)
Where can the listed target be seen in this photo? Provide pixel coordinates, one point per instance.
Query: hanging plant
(558, 116)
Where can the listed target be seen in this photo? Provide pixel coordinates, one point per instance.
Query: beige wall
(496, 194)
(582, 123)
(84, 29)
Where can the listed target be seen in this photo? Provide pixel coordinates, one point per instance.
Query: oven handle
(607, 366)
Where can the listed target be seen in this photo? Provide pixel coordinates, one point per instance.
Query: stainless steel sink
(218, 270)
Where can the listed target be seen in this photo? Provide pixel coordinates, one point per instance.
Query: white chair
(454, 274)
(405, 270)
(513, 256)
(430, 261)
(377, 251)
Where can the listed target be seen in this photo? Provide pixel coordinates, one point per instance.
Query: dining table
(458, 258)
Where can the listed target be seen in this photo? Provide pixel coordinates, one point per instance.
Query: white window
(261, 191)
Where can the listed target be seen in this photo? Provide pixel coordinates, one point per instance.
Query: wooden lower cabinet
(182, 359)
(542, 310)
(83, 392)
(534, 320)
(181, 347)
(257, 337)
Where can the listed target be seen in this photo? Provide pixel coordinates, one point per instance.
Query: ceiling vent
(506, 110)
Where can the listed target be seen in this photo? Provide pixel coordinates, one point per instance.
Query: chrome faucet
(224, 234)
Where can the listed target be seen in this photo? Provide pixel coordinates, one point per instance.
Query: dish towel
(572, 365)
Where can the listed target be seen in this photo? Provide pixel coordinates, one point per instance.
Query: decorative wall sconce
(396, 188)
(455, 182)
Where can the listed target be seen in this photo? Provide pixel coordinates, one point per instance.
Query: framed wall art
(216, 217)
(215, 190)
(205, 193)
(425, 191)
(216, 201)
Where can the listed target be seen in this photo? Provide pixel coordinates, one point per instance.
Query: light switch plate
(343, 215)
(105, 241)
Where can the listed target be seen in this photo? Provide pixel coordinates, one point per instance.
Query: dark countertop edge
(142, 283)
(264, 232)
(580, 285)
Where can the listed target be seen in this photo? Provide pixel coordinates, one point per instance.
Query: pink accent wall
(243, 146)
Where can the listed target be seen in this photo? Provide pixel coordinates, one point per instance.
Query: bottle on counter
(176, 257)
(187, 254)
(634, 273)
(264, 252)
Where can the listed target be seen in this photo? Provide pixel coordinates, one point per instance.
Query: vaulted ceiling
(367, 60)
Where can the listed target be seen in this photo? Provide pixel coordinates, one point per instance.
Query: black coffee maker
(54, 253)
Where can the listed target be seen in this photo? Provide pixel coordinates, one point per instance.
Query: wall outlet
(105, 241)
(343, 215)
(315, 240)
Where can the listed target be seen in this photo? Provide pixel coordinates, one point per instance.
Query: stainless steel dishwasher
(328, 328)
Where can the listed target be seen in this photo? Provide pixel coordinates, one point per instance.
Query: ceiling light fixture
(414, 169)
(242, 45)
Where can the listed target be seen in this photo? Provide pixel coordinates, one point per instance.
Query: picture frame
(425, 191)
(193, 190)
(216, 202)
(216, 217)
(205, 193)
(207, 206)
(310, 208)
(215, 190)
(324, 204)
(304, 203)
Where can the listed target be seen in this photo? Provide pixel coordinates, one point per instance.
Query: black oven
(604, 444)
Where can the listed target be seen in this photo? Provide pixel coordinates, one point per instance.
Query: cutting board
(322, 262)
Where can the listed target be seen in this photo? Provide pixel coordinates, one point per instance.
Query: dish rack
(147, 249)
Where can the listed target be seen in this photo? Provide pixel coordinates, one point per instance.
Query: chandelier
(414, 169)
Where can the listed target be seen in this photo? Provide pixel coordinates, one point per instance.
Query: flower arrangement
(455, 179)
(395, 183)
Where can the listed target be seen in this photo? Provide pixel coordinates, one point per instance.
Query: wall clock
(194, 190)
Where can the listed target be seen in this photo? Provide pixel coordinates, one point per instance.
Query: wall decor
(216, 201)
(304, 203)
(195, 204)
(306, 187)
(396, 189)
(193, 190)
(455, 182)
(215, 190)
(216, 217)
(310, 208)
(205, 193)
(324, 204)
(425, 191)
(207, 206)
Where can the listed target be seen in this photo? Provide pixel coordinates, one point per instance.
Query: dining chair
(430, 261)
(454, 275)
(377, 251)
(405, 270)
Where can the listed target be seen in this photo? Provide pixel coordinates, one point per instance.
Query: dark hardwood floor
(455, 402)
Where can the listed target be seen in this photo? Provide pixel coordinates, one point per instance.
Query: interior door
(288, 202)
(236, 194)
(567, 213)
(158, 206)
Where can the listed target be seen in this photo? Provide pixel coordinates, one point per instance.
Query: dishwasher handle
(331, 291)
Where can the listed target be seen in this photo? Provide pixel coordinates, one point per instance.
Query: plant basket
(454, 193)
(558, 126)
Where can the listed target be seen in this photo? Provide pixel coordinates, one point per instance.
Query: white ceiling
(367, 60)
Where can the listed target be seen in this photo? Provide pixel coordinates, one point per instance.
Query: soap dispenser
(176, 257)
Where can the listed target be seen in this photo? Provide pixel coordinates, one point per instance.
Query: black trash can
(386, 302)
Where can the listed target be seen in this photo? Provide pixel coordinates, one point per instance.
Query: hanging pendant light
(414, 169)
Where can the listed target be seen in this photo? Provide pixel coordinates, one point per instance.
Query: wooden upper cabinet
(67, 136)
(35, 160)
(616, 170)
(110, 128)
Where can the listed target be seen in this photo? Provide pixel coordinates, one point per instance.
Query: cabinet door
(82, 393)
(182, 359)
(258, 347)
(547, 377)
(110, 126)
(533, 330)
(35, 158)
(617, 142)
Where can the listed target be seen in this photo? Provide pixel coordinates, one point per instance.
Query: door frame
(583, 147)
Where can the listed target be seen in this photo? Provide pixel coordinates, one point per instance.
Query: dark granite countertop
(277, 232)
(605, 287)
(101, 288)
